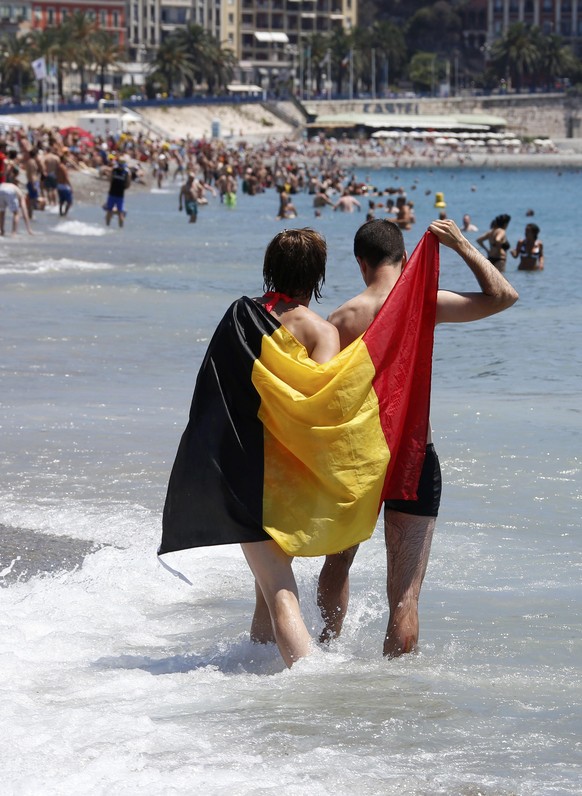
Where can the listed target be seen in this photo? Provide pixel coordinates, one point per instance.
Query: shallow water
(120, 678)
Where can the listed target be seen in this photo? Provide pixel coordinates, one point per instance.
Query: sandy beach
(254, 124)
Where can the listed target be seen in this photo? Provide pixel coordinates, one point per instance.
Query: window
(115, 19)
(50, 16)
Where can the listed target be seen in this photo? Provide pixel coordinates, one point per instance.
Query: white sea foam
(80, 228)
(50, 264)
(119, 678)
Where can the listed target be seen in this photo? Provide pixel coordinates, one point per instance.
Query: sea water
(119, 678)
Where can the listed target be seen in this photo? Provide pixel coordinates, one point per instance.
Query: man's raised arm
(496, 292)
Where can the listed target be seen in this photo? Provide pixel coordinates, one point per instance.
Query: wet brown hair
(294, 263)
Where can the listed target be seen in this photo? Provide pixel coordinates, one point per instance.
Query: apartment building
(108, 14)
(15, 16)
(269, 37)
(563, 17)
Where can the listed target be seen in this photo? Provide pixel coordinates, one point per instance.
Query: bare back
(353, 318)
(320, 338)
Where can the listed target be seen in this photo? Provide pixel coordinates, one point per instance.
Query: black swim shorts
(429, 489)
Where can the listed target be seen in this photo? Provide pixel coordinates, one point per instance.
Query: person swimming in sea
(496, 237)
(530, 250)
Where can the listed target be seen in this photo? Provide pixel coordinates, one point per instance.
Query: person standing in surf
(204, 505)
(120, 182)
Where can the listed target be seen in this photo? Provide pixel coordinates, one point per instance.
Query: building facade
(270, 37)
(563, 17)
(107, 14)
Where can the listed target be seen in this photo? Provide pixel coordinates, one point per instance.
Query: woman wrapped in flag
(292, 445)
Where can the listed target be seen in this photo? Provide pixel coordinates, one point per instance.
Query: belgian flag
(278, 446)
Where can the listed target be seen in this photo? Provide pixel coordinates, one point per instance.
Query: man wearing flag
(408, 524)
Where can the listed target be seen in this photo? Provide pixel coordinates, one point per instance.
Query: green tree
(15, 64)
(435, 27)
(198, 45)
(219, 68)
(556, 60)
(341, 43)
(516, 55)
(106, 54)
(391, 53)
(56, 46)
(172, 63)
(78, 31)
(318, 46)
(426, 71)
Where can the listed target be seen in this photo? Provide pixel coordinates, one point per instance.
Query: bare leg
(261, 627)
(408, 541)
(272, 570)
(333, 592)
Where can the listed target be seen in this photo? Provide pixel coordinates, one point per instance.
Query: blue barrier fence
(142, 103)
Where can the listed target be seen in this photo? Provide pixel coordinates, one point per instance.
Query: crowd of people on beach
(38, 168)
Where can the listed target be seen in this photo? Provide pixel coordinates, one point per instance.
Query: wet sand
(24, 554)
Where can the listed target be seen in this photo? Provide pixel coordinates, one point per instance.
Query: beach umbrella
(469, 142)
(493, 142)
(9, 121)
(78, 131)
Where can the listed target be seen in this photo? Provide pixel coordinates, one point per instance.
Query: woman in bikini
(530, 250)
(496, 237)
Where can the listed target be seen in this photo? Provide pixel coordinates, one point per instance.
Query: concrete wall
(534, 115)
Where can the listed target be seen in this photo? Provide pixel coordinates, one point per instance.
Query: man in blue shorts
(64, 187)
(120, 181)
(189, 198)
(408, 525)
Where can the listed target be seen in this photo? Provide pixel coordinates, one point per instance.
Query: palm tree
(55, 45)
(318, 45)
(15, 64)
(341, 44)
(220, 69)
(556, 60)
(173, 63)
(388, 41)
(197, 44)
(79, 30)
(106, 53)
(435, 28)
(516, 54)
